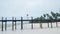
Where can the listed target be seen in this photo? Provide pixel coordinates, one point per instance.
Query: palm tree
(42, 18)
(44, 15)
(58, 14)
(41, 21)
(55, 16)
(50, 18)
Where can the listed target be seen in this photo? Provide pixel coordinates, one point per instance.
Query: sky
(35, 8)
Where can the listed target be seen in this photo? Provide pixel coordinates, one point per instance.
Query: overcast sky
(35, 8)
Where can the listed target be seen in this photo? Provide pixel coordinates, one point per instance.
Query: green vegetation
(46, 17)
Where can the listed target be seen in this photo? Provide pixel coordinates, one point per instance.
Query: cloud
(22, 7)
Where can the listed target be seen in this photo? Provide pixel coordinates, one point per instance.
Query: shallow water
(36, 30)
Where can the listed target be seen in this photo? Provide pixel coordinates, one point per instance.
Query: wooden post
(5, 23)
(32, 22)
(51, 24)
(41, 25)
(2, 23)
(12, 23)
(48, 24)
(56, 24)
(21, 23)
(15, 23)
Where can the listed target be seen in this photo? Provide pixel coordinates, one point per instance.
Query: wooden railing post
(12, 23)
(32, 22)
(2, 23)
(5, 23)
(21, 23)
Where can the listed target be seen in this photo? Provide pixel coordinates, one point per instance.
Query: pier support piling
(21, 23)
(2, 23)
(15, 24)
(5, 24)
(48, 24)
(51, 25)
(56, 24)
(32, 23)
(12, 23)
(40, 25)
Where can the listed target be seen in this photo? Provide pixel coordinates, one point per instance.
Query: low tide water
(36, 29)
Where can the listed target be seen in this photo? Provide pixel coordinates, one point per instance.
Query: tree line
(46, 17)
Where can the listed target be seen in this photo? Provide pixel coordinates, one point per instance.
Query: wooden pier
(14, 20)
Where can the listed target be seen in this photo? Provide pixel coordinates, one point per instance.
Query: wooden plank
(33, 20)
